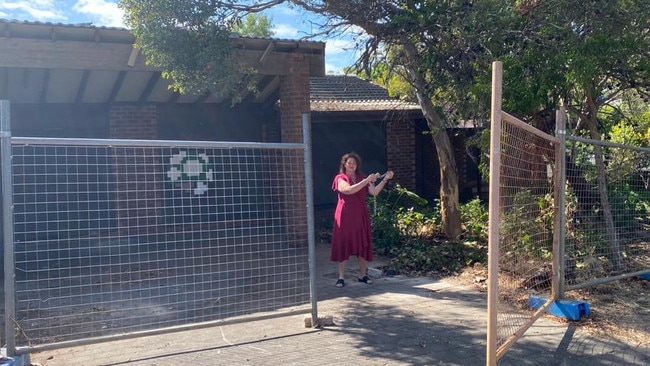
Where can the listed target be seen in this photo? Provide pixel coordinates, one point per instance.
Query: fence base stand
(565, 308)
(20, 360)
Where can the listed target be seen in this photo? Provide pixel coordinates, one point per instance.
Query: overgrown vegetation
(407, 230)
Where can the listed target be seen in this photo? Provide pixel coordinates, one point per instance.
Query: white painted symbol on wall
(186, 168)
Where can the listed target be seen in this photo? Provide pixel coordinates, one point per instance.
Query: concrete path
(395, 321)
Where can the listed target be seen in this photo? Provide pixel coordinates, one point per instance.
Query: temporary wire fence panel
(120, 236)
(526, 219)
(566, 212)
(607, 235)
(522, 243)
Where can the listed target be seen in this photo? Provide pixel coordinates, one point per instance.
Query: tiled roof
(340, 87)
(361, 105)
(350, 93)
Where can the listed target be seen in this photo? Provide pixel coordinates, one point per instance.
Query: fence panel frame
(497, 118)
(7, 228)
(564, 286)
(8, 232)
(493, 213)
(561, 254)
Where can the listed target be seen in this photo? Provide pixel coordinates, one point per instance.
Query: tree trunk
(581, 188)
(612, 235)
(449, 201)
(374, 24)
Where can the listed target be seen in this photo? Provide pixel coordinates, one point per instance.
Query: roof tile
(351, 93)
(340, 87)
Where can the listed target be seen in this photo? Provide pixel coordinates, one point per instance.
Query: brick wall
(133, 122)
(400, 151)
(137, 170)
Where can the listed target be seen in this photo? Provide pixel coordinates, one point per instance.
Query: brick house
(85, 81)
(351, 114)
(90, 82)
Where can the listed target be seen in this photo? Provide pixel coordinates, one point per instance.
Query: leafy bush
(407, 230)
(628, 205)
(474, 216)
(527, 229)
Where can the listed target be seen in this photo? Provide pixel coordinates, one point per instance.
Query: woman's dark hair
(345, 157)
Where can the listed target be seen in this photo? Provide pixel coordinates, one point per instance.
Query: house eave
(68, 63)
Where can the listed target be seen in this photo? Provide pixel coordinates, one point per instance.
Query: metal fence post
(309, 190)
(559, 261)
(7, 227)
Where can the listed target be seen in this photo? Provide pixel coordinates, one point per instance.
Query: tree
(586, 53)
(440, 49)
(191, 42)
(421, 47)
(254, 25)
(188, 39)
(583, 52)
(593, 52)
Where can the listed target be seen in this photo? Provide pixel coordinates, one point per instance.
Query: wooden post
(494, 210)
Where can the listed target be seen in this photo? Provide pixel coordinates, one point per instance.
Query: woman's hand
(375, 189)
(372, 178)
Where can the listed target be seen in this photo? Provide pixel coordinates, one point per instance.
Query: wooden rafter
(153, 80)
(82, 87)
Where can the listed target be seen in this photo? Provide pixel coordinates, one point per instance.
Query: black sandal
(365, 280)
(340, 283)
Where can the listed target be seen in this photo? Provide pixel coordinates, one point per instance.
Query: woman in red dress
(352, 235)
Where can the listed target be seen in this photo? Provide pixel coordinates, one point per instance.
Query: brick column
(294, 102)
(138, 171)
(294, 98)
(400, 152)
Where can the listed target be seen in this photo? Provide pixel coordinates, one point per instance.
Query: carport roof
(82, 63)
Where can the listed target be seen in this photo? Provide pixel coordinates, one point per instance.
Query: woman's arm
(375, 189)
(345, 188)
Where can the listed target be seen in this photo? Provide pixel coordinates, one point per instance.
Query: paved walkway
(395, 321)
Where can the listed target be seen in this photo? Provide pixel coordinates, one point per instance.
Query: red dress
(352, 234)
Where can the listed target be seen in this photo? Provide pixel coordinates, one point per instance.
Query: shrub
(406, 230)
(474, 216)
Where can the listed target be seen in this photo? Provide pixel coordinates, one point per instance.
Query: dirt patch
(620, 309)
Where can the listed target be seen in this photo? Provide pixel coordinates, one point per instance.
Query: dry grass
(619, 309)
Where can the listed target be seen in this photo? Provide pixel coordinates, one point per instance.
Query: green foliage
(628, 122)
(527, 227)
(406, 229)
(191, 41)
(400, 216)
(254, 25)
(419, 258)
(386, 233)
(584, 236)
(630, 206)
(384, 72)
(402, 197)
(582, 52)
(475, 220)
